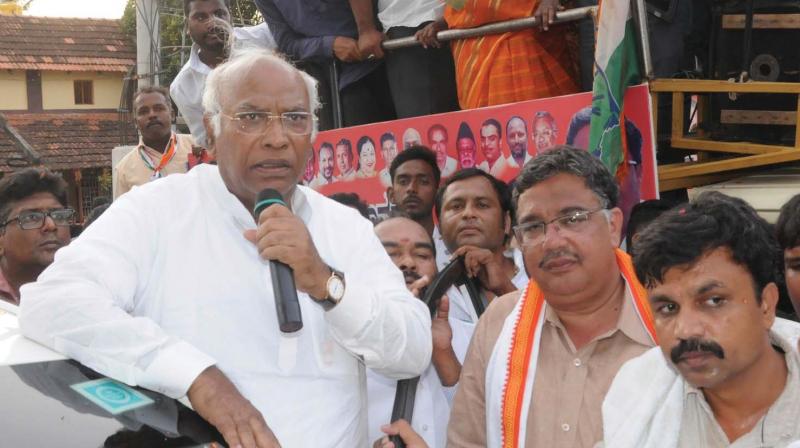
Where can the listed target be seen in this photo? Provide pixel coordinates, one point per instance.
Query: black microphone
(286, 304)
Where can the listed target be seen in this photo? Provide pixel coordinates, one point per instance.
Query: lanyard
(165, 158)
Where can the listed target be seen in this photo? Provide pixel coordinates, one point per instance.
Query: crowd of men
(552, 335)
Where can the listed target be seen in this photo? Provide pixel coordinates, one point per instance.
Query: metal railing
(570, 15)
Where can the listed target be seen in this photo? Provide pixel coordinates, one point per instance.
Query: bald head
(409, 246)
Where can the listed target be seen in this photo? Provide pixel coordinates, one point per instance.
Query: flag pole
(644, 37)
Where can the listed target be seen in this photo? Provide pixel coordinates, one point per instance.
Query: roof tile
(64, 44)
(66, 140)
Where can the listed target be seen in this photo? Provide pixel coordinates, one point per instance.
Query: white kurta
(164, 285)
(431, 407)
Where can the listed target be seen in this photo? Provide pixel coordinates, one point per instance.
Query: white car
(49, 400)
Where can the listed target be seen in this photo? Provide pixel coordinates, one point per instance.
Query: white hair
(242, 60)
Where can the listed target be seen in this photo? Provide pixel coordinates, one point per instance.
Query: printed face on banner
(367, 160)
(388, 148)
(411, 138)
(457, 137)
(517, 139)
(326, 162)
(490, 141)
(308, 176)
(545, 132)
(344, 157)
(437, 139)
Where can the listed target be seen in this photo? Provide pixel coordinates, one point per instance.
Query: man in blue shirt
(315, 33)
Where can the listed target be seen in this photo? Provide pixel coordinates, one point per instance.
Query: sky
(103, 9)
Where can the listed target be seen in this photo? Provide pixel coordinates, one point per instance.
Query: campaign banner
(498, 139)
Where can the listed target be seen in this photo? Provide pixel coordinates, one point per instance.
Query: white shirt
(409, 13)
(450, 166)
(513, 162)
(431, 407)
(164, 285)
(187, 88)
(498, 169)
(442, 253)
(463, 318)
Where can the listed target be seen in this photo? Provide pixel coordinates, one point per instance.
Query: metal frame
(738, 155)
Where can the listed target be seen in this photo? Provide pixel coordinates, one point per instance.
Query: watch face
(336, 289)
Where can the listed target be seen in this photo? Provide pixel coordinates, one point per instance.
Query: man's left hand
(369, 44)
(282, 236)
(546, 13)
(487, 267)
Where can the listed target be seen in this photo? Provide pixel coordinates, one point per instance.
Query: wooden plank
(695, 181)
(797, 126)
(726, 147)
(762, 21)
(654, 106)
(677, 115)
(779, 117)
(717, 86)
(676, 171)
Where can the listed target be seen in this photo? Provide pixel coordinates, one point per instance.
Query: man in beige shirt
(568, 230)
(727, 372)
(160, 151)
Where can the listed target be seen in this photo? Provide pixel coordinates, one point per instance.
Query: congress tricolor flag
(616, 69)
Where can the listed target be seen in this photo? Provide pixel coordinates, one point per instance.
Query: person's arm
(191, 112)
(121, 185)
(444, 357)
(488, 267)
(369, 38)
(81, 304)
(295, 45)
(467, 427)
(377, 319)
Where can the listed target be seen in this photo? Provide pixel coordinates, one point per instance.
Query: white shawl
(644, 406)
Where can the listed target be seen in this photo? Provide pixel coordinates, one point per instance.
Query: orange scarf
(514, 390)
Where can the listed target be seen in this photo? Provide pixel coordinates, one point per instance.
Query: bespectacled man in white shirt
(171, 290)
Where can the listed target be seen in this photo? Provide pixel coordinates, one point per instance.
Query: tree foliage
(175, 43)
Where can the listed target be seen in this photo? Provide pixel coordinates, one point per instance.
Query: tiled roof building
(61, 44)
(62, 81)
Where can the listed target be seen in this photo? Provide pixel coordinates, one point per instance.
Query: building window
(84, 92)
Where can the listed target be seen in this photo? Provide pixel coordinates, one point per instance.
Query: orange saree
(510, 67)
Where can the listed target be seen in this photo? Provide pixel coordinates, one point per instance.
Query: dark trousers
(365, 101)
(422, 81)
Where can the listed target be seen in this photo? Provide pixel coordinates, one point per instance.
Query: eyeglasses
(533, 233)
(62, 217)
(296, 123)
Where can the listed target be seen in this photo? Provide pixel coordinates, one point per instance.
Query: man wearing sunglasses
(34, 224)
(542, 359)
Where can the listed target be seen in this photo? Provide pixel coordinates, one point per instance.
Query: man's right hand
(487, 267)
(216, 399)
(405, 431)
(427, 35)
(346, 49)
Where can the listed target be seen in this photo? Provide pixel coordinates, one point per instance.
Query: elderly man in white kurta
(171, 290)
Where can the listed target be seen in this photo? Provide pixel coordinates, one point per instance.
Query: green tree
(175, 44)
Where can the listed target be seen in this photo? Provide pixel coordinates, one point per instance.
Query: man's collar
(228, 202)
(6, 291)
(628, 322)
(143, 146)
(195, 63)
